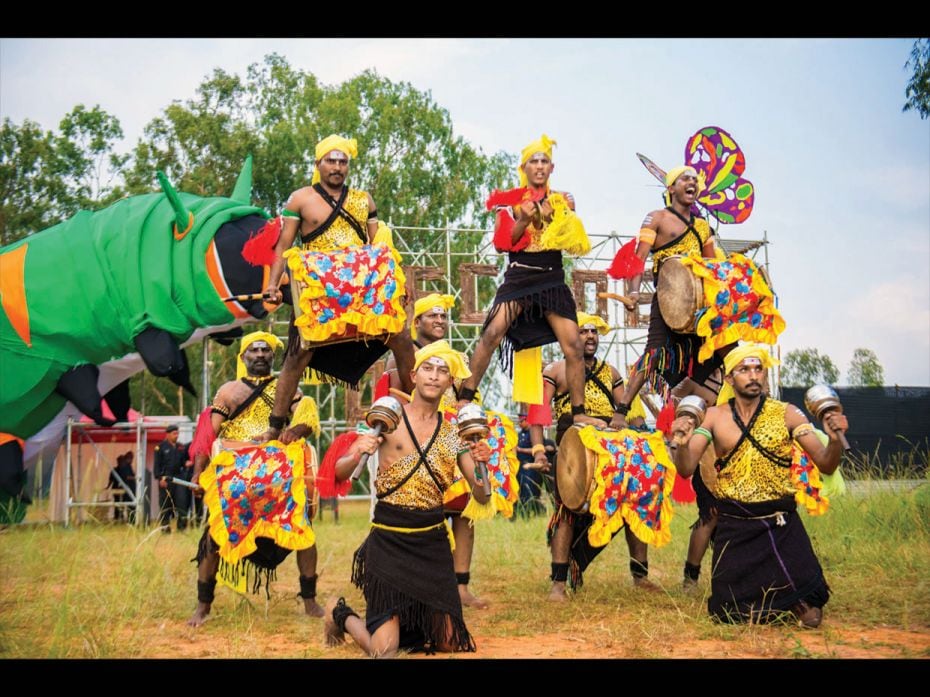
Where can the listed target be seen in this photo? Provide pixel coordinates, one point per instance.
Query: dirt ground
(302, 637)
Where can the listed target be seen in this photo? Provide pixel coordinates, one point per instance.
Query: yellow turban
(599, 324)
(737, 356)
(349, 146)
(451, 357)
(427, 303)
(543, 145)
(676, 172)
(273, 341)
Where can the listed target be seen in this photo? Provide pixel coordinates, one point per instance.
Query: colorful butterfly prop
(713, 152)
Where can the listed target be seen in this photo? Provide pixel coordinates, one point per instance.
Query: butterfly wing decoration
(713, 152)
(653, 168)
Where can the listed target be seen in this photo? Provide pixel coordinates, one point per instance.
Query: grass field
(108, 590)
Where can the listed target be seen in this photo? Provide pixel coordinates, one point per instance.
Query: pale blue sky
(842, 176)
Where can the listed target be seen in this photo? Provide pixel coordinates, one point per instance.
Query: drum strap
(422, 453)
(690, 228)
(257, 391)
(338, 211)
(724, 461)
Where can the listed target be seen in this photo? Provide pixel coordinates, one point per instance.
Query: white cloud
(901, 305)
(891, 318)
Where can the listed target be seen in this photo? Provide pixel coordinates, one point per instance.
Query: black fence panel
(887, 420)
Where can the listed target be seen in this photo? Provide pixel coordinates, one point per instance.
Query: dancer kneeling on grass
(405, 566)
(764, 564)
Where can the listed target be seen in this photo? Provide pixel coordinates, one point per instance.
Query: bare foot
(199, 616)
(690, 586)
(558, 594)
(470, 600)
(808, 617)
(312, 607)
(643, 583)
(332, 635)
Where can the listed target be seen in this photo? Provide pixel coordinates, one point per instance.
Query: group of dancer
(413, 569)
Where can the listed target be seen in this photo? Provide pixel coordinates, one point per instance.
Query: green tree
(806, 367)
(30, 187)
(918, 87)
(865, 370)
(90, 168)
(418, 170)
(46, 177)
(201, 144)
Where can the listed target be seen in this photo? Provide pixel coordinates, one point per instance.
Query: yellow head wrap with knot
(349, 146)
(427, 303)
(599, 324)
(273, 341)
(676, 172)
(441, 350)
(737, 356)
(543, 145)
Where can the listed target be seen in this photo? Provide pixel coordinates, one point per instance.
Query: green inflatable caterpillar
(90, 301)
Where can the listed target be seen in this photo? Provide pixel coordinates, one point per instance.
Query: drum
(681, 295)
(346, 295)
(574, 474)
(310, 465)
(619, 478)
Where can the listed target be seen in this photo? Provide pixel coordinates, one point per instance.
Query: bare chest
(668, 228)
(400, 444)
(314, 212)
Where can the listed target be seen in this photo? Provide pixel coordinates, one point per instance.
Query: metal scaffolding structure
(84, 434)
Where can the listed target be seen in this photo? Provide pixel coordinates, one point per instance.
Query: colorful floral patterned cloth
(258, 491)
(357, 289)
(738, 303)
(502, 470)
(806, 478)
(633, 482)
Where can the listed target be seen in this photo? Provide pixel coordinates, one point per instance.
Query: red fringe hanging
(259, 250)
(539, 415)
(203, 435)
(326, 482)
(505, 222)
(665, 419)
(683, 491)
(382, 387)
(511, 197)
(626, 264)
(503, 241)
